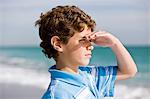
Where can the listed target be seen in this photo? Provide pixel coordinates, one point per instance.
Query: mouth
(88, 55)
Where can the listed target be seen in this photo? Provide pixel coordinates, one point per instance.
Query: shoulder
(57, 91)
(62, 93)
(60, 90)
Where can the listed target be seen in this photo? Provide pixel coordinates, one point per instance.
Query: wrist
(116, 44)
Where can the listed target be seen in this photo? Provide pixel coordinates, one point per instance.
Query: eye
(83, 39)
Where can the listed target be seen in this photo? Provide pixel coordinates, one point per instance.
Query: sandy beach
(20, 83)
(16, 91)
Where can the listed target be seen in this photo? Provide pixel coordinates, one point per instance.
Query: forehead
(84, 33)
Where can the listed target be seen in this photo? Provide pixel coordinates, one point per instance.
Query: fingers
(99, 33)
(90, 34)
(93, 35)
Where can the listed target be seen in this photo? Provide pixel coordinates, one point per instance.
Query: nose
(89, 44)
(90, 47)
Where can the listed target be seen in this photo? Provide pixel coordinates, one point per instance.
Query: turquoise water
(101, 56)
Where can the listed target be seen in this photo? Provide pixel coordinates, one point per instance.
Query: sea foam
(13, 71)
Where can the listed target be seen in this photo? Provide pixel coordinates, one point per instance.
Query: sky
(128, 20)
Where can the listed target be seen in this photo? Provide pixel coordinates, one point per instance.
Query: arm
(126, 66)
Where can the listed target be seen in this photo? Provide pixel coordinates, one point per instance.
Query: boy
(67, 36)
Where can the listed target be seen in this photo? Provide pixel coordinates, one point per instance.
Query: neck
(67, 67)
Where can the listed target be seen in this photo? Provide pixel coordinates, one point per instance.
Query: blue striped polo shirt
(91, 82)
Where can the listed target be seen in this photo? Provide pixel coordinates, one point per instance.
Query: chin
(85, 63)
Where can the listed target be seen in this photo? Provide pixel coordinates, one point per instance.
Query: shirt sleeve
(104, 77)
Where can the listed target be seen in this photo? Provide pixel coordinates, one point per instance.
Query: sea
(29, 66)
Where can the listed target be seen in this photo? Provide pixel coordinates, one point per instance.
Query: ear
(56, 43)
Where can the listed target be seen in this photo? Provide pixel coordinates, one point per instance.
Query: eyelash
(83, 40)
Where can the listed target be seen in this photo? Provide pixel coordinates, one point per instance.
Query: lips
(88, 55)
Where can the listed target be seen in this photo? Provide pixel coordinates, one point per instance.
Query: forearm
(126, 65)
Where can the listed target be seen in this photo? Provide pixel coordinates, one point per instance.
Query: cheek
(78, 52)
(74, 47)
(75, 51)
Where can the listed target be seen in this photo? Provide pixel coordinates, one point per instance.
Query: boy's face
(78, 49)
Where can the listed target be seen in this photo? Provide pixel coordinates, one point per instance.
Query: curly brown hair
(61, 21)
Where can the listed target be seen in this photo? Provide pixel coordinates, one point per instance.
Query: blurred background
(24, 68)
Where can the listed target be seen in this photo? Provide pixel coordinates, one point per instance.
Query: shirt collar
(75, 79)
